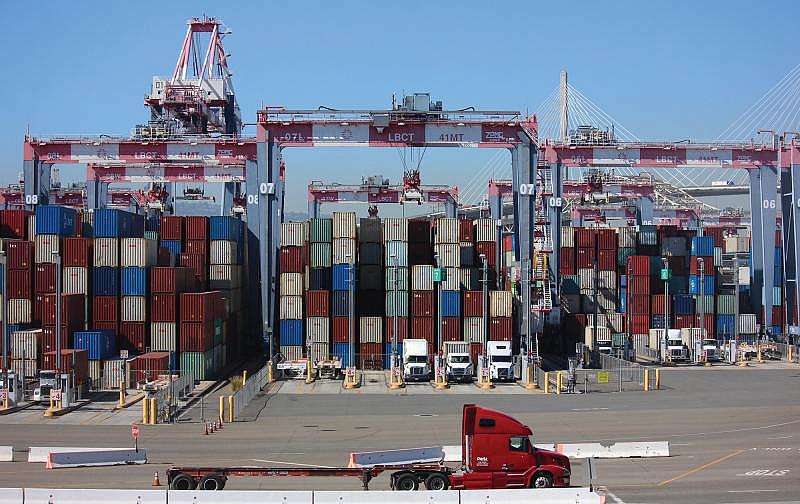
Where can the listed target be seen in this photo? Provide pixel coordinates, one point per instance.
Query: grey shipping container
(370, 277)
(401, 274)
(163, 337)
(321, 230)
(402, 303)
(321, 255)
(369, 230)
(370, 253)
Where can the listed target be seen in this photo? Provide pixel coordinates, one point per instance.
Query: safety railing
(162, 397)
(251, 387)
(783, 351)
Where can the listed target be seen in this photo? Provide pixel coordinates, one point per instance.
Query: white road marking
(681, 444)
(751, 491)
(780, 437)
(291, 463)
(286, 453)
(588, 409)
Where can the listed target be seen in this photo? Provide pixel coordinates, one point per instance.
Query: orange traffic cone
(156, 482)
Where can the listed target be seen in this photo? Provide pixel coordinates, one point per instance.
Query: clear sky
(665, 70)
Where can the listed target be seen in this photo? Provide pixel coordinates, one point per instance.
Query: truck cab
(501, 366)
(711, 350)
(676, 351)
(458, 361)
(416, 361)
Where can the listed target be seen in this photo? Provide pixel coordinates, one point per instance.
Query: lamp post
(3, 265)
(702, 282)
(395, 322)
(438, 348)
(350, 313)
(665, 276)
(485, 300)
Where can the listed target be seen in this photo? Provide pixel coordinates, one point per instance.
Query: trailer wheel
(182, 481)
(437, 481)
(212, 482)
(406, 482)
(542, 480)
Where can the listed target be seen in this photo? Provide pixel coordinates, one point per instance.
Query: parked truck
(459, 364)
(416, 361)
(676, 349)
(501, 365)
(497, 452)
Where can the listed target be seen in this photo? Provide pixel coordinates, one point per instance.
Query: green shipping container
(321, 230)
(402, 278)
(725, 304)
(320, 255)
(618, 339)
(402, 303)
(709, 304)
(151, 235)
(648, 238)
(623, 254)
(200, 364)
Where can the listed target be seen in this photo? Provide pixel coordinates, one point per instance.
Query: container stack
(447, 247)
(371, 297)
(395, 230)
(26, 351)
(318, 297)
(423, 298)
(167, 283)
(486, 245)
(472, 324)
(637, 293)
(500, 316)
(200, 341)
(702, 247)
(341, 277)
(294, 243)
(226, 274)
(100, 346)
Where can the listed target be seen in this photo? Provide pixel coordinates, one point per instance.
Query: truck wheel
(183, 481)
(437, 481)
(542, 480)
(212, 482)
(406, 482)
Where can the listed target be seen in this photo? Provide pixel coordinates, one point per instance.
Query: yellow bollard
(531, 383)
(270, 378)
(153, 417)
(559, 382)
(646, 380)
(230, 409)
(658, 379)
(121, 394)
(790, 354)
(244, 377)
(309, 367)
(221, 408)
(145, 411)
(547, 382)
(758, 355)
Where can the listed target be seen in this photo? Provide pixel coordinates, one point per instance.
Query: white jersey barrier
(92, 496)
(11, 496)
(241, 497)
(56, 460)
(614, 450)
(6, 454)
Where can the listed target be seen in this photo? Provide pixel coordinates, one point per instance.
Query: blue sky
(666, 70)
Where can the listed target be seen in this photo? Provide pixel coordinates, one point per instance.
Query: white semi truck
(676, 350)
(416, 361)
(501, 365)
(459, 364)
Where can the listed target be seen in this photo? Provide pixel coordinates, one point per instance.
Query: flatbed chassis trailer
(404, 477)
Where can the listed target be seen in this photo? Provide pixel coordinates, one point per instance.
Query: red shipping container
(76, 361)
(166, 279)
(640, 323)
(422, 303)
(371, 356)
(317, 303)
(19, 283)
(607, 260)
(199, 306)
(508, 243)
(73, 310)
(49, 338)
(196, 336)
(402, 328)
(419, 231)
(777, 315)
(196, 228)
(44, 278)
(489, 249)
(606, 239)
(20, 254)
(778, 238)
(105, 309)
(638, 265)
(341, 330)
(683, 321)
(164, 257)
(638, 304)
(584, 237)
(14, 224)
(291, 259)
(639, 285)
(708, 266)
(566, 261)
(709, 323)
(466, 230)
(422, 328)
(677, 264)
(108, 326)
(148, 366)
(163, 307)
(171, 227)
(451, 329)
(197, 263)
(657, 304)
(473, 304)
(197, 247)
(131, 336)
(38, 307)
(584, 258)
(77, 252)
(475, 351)
(500, 329)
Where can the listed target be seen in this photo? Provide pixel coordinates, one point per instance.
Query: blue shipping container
(342, 350)
(777, 296)
(708, 285)
(99, 344)
(778, 256)
(225, 228)
(291, 332)
(56, 220)
(105, 281)
(778, 275)
(725, 326)
(134, 281)
(451, 304)
(320, 279)
(623, 280)
(115, 223)
(153, 224)
(776, 330)
(341, 277)
(623, 303)
(702, 246)
(683, 304)
(174, 246)
(388, 363)
(340, 303)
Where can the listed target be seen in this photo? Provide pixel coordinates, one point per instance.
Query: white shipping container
(615, 322)
(399, 250)
(485, 230)
(321, 255)
(735, 244)
(640, 341)
(401, 274)
(19, 311)
(318, 329)
(395, 229)
(370, 330)
(223, 252)
(137, 252)
(586, 278)
(320, 351)
(606, 280)
(291, 308)
(744, 275)
(469, 279)
(344, 251)
(449, 254)
(500, 304)
(27, 368)
(422, 277)
(603, 336)
(26, 344)
(455, 347)
(626, 237)
(474, 330)
(654, 338)
(96, 373)
(567, 236)
(344, 225)
(291, 284)
(31, 228)
(717, 256)
(292, 234)
(307, 278)
(453, 282)
(106, 252)
(747, 324)
(46, 248)
(292, 352)
(133, 309)
(75, 280)
(602, 320)
(223, 276)
(446, 231)
(114, 372)
(164, 337)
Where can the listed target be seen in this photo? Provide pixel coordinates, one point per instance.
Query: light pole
(485, 302)
(702, 277)
(438, 348)
(350, 313)
(665, 275)
(3, 265)
(395, 308)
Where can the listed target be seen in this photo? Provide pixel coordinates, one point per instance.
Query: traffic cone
(156, 482)
(205, 433)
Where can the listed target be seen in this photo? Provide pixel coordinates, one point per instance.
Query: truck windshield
(459, 359)
(501, 358)
(418, 359)
(674, 343)
(709, 342)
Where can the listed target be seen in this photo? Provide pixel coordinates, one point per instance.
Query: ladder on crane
(542, 277)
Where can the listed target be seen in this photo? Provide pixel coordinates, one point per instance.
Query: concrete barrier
(386, 497)
(56, 460)
(39, 453)
(614, 450)
(6, 454)
(11, 496)
(528, 496)
(93, 496)
(240, 497)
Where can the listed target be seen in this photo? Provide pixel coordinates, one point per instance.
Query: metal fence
(787, 352)
(251, 388)
(169, 395)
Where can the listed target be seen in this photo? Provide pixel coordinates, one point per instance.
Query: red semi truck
(496, 452)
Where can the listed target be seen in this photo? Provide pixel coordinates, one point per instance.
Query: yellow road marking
(704, 466)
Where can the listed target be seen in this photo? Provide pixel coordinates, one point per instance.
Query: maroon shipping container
(44, 278)
(196, 228)
(371, 356)
(132, 336)
(422, 328)
(291, 259)
(14, 223)
(566, 261)
(638, 304)
(607, 260)
(581, 319)
(489, 249)
(73, 311)
(175, 280)
(451, 329)
(196, 336)
(777, 238)
(640, 323)
(199, 306)
(422, 304)
(148, 366)
(105, 309)
(197, 247)
(638, 265)
(77, 252)
(678, 265)
(718, 234)
(38, 307)
(584, 257)
(164, 307)
(76, 361)
(420, 253)
(171, 227)
(777, 315)
(694, 266)
(584, 237)
(709, 323)
(341, 328)
(475, 351)
(197, 263)
(500, 329)
(317, 303)
(473, 304)
(606, 239)
(164, 257)
(683, 321)
(49, 337)
(402, 328)
(108, 326)
(20, 254)
(419, 231)
(466, 230)
(19, 283)
(639, 285)
(657, 304)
